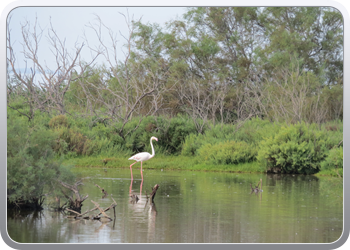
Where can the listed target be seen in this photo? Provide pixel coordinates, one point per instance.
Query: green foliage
(205, 48)
(229, 152)
(175, 133)
(251, 132)
(31, 166)
(334, 159)
(69, 140)
(191, 144)
(298, 148)
(58, 121)
(298, 31)
(170, 133)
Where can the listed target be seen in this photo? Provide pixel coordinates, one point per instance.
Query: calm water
(195, 207)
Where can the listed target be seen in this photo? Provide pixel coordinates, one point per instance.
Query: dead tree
(124, 87)
(43, 87)
(74, 204)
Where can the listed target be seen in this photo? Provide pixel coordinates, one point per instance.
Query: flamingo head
(154, 138)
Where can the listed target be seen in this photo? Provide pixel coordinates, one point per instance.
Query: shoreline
(177, 163)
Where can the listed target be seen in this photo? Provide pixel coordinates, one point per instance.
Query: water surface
(194, 207)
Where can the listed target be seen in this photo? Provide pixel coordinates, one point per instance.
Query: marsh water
(194, 207)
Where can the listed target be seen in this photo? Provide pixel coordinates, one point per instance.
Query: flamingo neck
(153, 153)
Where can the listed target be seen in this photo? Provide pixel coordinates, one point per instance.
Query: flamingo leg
(130, 187)
(141, 171)
(141, 181)
(141, 188)
(131, 170)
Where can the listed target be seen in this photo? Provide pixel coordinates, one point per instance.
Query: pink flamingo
(144, 156)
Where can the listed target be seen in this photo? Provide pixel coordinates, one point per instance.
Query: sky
(70, 24)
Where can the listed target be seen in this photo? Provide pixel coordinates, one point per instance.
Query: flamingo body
(144, 156)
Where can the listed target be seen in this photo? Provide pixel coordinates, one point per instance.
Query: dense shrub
(70, 140)
(229, 152)
(335, 132)
(171, 134)
(58, 121)
(297, 148)
(334, 159)
(175, 133)
(251, 132)
(32, 169)
(191, 145)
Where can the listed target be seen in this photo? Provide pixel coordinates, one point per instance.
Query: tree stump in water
(256, 189)
(134, 199)
(74, 204)
(154, 191)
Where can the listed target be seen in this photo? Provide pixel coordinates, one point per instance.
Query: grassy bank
(164, 162)
(331, 172)
(178, 163)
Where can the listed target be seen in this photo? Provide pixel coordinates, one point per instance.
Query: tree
(32, 171)
(123, 88)
(313, 34)
(43, 88)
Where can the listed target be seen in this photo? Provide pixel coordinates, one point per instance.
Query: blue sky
(70, 23)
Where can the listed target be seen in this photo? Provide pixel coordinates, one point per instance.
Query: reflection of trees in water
(272, 179)
(293, 183)
(332, 189)
(37, 226)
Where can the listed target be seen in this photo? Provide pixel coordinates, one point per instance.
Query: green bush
(170, 133)
(58, 121)
(191, 145)
(251, 132)
(70, 140)
(334, 159)
(32, 169)
(297, 148)
(226, 153)
(175, 133)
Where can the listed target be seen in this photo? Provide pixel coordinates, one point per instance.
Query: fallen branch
(103, 191)
(92, 217)
(101, 211)
(113, 205)
(70, 210)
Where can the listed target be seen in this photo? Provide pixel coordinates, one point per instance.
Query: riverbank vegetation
(223, 89)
